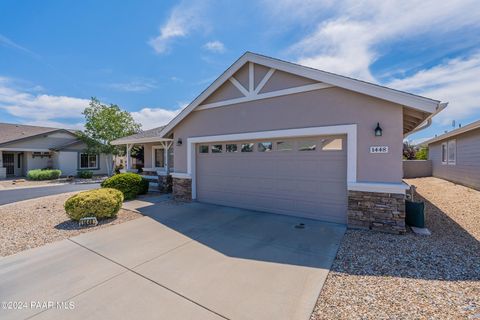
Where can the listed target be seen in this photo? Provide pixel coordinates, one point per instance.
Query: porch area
(16, 163)
(157, 162)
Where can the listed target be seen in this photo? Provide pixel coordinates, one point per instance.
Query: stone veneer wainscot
(376, 211)
(182, 189)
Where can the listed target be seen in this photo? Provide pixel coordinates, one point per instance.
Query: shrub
(43, 174)
(100, 203)
(84, 174)
(422, 154)
(130, 184)
(144, 185)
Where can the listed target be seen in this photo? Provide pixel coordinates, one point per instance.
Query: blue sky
(153, 57)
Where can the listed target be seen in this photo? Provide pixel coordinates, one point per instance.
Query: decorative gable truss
(255, 82)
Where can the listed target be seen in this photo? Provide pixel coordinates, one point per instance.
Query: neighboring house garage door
(303, 177)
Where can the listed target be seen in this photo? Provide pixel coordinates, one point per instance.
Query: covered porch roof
(147, 136)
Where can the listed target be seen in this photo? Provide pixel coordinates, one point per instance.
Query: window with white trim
(88, 161)
(159, 157)
(452, 152)
(444, 153)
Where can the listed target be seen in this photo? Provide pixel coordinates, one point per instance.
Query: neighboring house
(275, 136)
(23, 148)
(455, 155)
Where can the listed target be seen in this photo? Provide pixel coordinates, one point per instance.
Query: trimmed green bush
(130, 184)
(41, 174)
(100, 203)
(84, 174)
(145, 184)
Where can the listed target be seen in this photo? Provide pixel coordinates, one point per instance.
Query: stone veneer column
(376, 211)
(182, 189)
(165, 183)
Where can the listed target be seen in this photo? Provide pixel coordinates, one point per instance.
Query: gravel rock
(32, 223)
(384, 276)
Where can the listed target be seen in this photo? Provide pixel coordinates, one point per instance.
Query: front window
(444, 152)
(88, 161)
(452, 152)
(159, 156)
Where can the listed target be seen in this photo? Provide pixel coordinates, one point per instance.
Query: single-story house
(455, 155)
(275, 136)
(24, 147)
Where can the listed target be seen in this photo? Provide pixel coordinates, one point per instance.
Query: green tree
(103, 124)
(422, 154)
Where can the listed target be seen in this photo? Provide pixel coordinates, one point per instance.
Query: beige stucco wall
(332, 106)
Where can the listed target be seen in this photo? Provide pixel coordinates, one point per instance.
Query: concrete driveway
(20, 194)
(180, 261)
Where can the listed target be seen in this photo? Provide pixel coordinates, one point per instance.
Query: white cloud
(62, 111)
(38, 107)
(154, 117)
(184, 18)
(141, 85)
(456, 81)
(347, 43)
(215, 46)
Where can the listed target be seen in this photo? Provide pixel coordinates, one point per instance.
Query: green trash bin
(415, 213)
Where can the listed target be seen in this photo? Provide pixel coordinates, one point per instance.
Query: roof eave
(472, 126)
(428, 121)
(139, 141)
(399, 97)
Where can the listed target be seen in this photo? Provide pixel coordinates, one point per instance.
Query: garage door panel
(303, 183)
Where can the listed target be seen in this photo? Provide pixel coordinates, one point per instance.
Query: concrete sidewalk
(182, 261)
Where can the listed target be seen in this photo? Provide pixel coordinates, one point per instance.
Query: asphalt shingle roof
(10, 132)
(151, 133)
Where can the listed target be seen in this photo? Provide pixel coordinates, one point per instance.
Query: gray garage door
(303, 177)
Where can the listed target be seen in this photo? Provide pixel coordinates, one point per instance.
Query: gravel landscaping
(32, 223)
(384, 276)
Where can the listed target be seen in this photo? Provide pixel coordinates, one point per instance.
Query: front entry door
(9, 163)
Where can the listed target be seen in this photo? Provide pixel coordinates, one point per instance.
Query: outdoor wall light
(378, 130)
(179, 141)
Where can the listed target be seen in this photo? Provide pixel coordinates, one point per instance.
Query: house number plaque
(379, 149)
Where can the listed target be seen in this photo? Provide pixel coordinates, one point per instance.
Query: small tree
(103, 124)
(422, 154)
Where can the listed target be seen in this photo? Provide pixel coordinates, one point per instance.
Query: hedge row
(43, 174)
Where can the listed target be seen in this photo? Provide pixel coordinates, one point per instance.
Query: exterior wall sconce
(179, 142)
(378, 130)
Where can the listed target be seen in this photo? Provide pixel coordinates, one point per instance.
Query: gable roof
(151, 135)
(11, 132)
(467, 128)
(427, 107)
